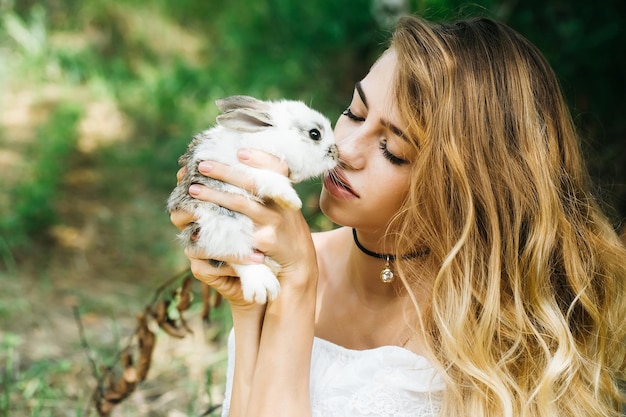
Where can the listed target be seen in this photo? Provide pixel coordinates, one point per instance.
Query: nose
(353, 146)
(333, 152)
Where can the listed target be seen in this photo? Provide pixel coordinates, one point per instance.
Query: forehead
(381, 75)
(378, 83)
(378, 89)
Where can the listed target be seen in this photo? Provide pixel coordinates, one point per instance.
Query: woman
(474, 274)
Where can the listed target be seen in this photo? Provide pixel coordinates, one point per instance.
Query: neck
(363, 271)
(390, 257)
(387, 275)
(351, 279)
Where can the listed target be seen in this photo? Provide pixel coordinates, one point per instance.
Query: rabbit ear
(241, 102)
(244, 113)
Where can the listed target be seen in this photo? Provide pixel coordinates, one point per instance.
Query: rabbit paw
(258, 283)
(287, 200)
(277, 188)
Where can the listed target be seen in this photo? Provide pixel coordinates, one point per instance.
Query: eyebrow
(396, 131)
(359, 89)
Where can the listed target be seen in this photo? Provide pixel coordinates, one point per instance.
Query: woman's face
(377, 158)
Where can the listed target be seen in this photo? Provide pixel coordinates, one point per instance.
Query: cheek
(391, 196)
(388, 194)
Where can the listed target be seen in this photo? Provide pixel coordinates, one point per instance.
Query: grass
(97, 100)
(36, 387)
(46, 371)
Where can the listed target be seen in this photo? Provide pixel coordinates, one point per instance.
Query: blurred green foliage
(32, 202)
(585, 42)
(163, 64)
(144, 75)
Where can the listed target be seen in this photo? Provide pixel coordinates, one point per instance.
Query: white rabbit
(299, 135)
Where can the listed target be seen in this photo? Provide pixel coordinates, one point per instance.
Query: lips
(337, 185)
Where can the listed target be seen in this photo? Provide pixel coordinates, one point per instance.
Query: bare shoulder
(330, 240)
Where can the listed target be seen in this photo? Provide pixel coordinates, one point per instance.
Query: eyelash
(383, 145)
(391, 157)
(347, 112)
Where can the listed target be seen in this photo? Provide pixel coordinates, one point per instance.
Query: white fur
(282, 128)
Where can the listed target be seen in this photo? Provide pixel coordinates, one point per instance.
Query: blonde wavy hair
(528, 308)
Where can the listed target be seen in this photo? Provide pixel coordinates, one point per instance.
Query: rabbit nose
(333, 151)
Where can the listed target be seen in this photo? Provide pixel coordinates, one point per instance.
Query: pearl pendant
(386, 275)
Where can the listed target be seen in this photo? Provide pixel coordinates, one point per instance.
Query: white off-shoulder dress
(388, 381)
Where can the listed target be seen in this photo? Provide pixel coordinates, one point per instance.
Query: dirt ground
(40, 336)
(110, 250)
(105, 257)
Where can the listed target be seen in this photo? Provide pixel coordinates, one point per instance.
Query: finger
(180, 174)
(233, 175)
(223, 263)
(216, 264)
(218, 278)
(181, 218)
(225, 173)
(250, 207)
(253, 158)
(206, 268)
(263, 160)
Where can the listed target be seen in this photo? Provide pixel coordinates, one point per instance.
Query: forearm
(247, 329)
(272, 343)
(281, 379)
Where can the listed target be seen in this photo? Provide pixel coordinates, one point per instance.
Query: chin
(324, 204)
(352, 214)
(328, 208)
(337, 213)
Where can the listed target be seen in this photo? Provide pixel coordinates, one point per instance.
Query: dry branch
(114, 385)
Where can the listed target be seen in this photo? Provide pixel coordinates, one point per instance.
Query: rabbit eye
(315, 134)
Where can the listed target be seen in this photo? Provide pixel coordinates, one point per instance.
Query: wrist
(247, 313)
(295, 303)
(300, 277)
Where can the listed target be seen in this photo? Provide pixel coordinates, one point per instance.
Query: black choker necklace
(386, 275)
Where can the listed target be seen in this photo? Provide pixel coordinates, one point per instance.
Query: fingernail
(257, 257)
(244, 155)
(194, 190)
(205, 167)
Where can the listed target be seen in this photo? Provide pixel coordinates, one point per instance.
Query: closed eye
(391, 157)
(347, 112)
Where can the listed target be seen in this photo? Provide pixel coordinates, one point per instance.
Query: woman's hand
(217, 274)
(281, 234)
(282, 329)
